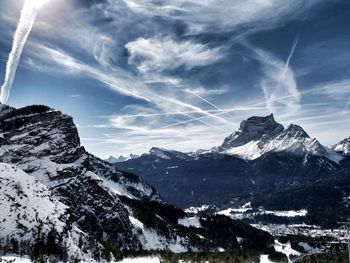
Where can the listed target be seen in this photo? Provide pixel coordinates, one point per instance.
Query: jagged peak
(260, 135)
(258, 124)
(253, 129)
(342, 147)
(294, 130)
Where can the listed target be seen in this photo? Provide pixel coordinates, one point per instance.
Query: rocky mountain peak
(38, 131)
(260, 135)
(259, 125)
(253, 129)
(296, 131)
(342, 147)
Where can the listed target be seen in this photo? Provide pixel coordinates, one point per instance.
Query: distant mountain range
(261, 158)
(58, 200)
(121, 158)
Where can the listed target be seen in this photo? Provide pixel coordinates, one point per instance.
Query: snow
(19, 136)
(306, 246)
(246, 211)
(196, 210)
(16, 259)
(26, 206)
(230, 211)
(161, 153)
(255, 149)
(190, 221)
(137, 223)
(120, 159)
(263, 135)
(265, 259)
(173, 167)
(290, 213)
(151, 240)
(286, 249)
(239, 239)
(343, 146)
(141, 260)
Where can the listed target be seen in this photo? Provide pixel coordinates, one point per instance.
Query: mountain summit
(342, 147)
(260, 135)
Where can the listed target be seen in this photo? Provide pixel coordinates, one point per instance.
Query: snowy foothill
(190, 222)
(246, 211)
(196, 210)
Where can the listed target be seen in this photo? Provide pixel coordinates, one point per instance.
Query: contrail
(295, 44)
(28, 15)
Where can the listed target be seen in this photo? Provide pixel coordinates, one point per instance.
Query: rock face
(94, 202)
(260, 135)
(28, 210)
(253, 129)
(342, 147)
(261, 157)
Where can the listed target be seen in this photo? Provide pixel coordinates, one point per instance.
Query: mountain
(261, 157)
(260, 135)
(28, 207)
(327, 202)
(342, 147)
(60, 200)
(112, 159)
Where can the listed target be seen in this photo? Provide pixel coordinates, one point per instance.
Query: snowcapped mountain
(260, 135)
(83, 205)
(167, 154)
(112, 159)
(262, 156)
(342, 147)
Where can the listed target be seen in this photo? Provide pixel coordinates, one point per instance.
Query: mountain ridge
(103, 205)
(260, 135)
(262, 156)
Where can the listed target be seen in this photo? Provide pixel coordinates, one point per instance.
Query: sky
(183, 74)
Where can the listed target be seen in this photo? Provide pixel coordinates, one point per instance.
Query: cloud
(278, 82)
(161, 54)
(224, 14)
(339, 90)
(118, 80)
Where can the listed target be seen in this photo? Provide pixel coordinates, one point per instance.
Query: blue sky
(182, 74)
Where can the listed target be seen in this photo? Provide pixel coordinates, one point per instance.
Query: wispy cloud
(167, 56)
(223, 14)
(278, 80)
(162, 54)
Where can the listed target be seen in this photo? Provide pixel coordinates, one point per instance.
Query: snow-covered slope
(342, 147)
(260, 135)
(26, 202)
(29, 210)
